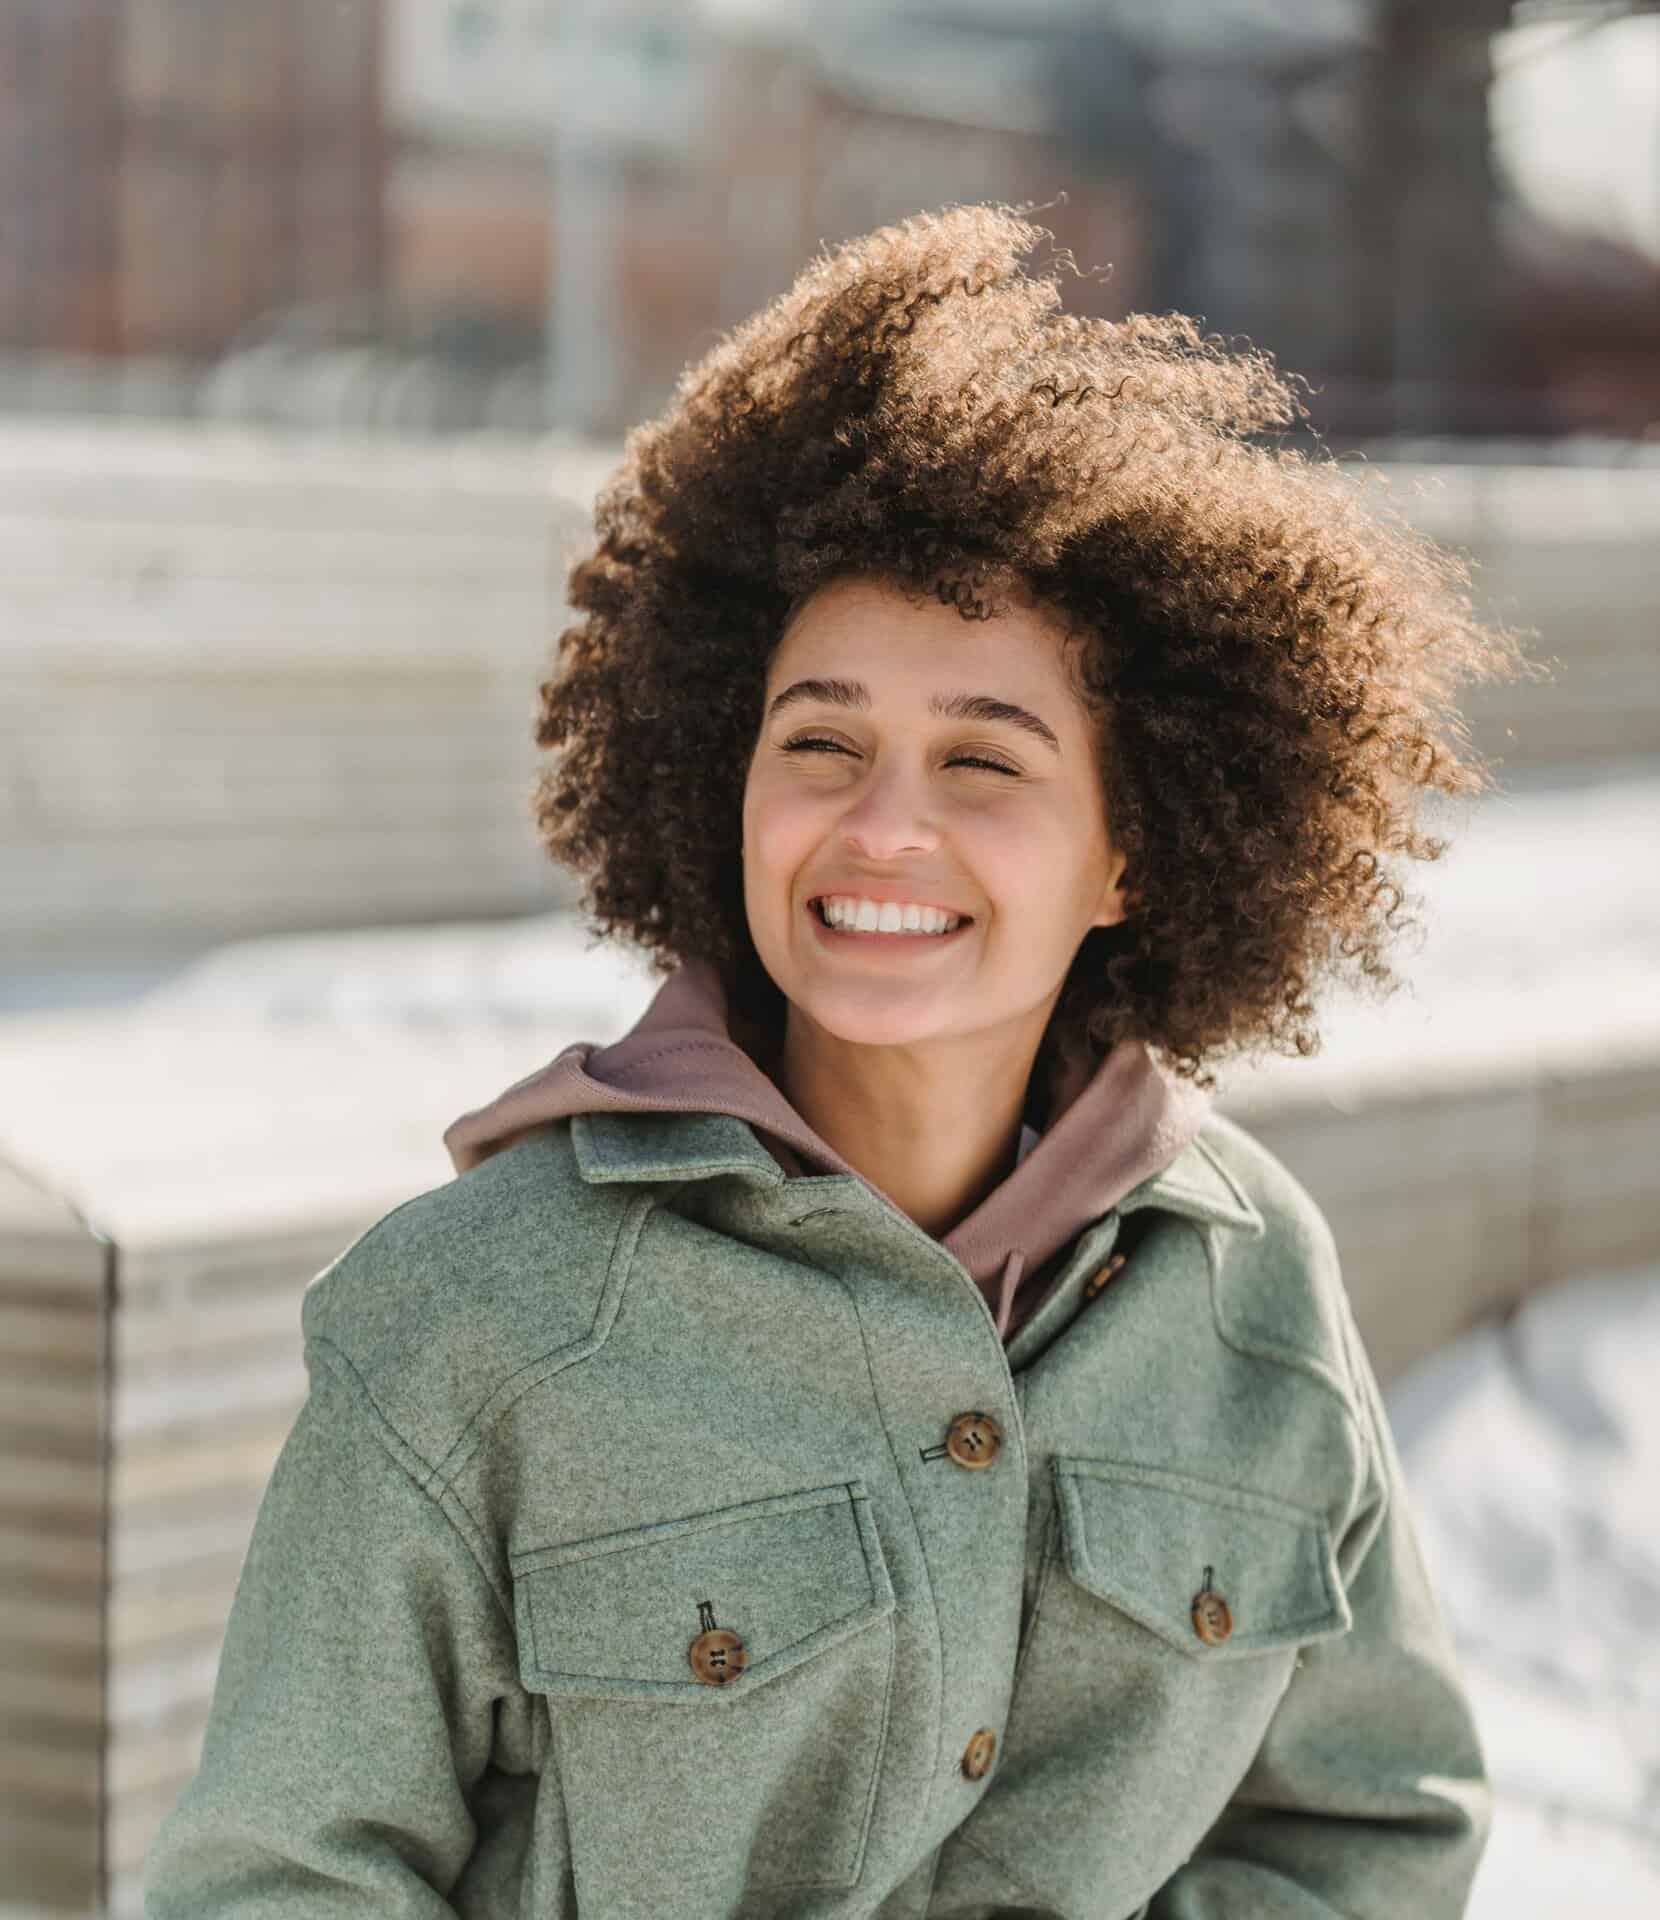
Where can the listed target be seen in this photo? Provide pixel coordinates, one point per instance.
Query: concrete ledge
(1459, 1200)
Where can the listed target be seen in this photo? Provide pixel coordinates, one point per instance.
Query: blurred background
(321, 321)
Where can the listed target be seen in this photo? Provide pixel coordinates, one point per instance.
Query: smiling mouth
(815, 907)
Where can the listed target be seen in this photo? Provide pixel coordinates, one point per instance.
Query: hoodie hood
(1108, 1130)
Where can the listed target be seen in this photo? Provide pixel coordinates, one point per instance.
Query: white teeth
(886, 916)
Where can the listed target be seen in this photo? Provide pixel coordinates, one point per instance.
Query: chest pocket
(1150, 1542)
(1122, 1706)
(683, 1790)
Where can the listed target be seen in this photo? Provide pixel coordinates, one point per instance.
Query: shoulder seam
(437, 1477)
(1339, 1386)
(338, 1365)
(1217, 1162)
(1226, 1175)
(531, 1375)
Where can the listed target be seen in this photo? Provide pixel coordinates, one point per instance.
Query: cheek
(1035, 873)
(1011, 855)
(781, 828)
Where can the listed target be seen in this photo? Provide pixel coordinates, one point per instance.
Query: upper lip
(881, 895)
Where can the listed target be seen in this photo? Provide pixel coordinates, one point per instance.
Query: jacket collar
(620, 1148)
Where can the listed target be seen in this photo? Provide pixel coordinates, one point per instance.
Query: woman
(873, 1441)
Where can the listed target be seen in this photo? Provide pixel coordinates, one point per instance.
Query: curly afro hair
(1269, 663)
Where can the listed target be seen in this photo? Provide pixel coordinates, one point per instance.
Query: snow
(1532, 1451)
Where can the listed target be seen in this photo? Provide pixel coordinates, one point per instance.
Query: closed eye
(816, 743)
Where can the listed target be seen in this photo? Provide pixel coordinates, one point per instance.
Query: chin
(875, 1016)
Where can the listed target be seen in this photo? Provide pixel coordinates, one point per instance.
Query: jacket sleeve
(367, 1678)
(1368, 1797)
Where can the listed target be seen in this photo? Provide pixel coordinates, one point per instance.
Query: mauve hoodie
(1107, 1130)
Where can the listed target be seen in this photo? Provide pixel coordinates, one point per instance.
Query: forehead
(892, 635)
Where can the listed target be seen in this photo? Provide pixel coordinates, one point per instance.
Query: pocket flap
(614, 1615)
(1148, 1541)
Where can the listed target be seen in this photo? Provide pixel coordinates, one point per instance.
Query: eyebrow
(949, 706)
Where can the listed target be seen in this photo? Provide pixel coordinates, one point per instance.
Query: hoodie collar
(678, 1098)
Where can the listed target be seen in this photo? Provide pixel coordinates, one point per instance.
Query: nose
(889, 815)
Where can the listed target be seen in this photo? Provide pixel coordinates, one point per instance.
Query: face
(873, 780)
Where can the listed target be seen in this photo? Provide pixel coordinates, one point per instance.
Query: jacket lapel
(613, 1148)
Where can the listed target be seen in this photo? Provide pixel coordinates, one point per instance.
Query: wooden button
(1212, 1617)
(977, 1754)
(717, 1656)
(972, 1439)
(1098, 1279)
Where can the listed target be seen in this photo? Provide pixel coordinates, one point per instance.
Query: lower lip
(903, 942)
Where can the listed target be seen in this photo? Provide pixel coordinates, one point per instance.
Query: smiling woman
(870, 1442)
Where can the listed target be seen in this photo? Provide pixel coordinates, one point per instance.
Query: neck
(935, 1126)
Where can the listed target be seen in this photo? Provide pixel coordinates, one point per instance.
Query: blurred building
(1325, 176)
(171, 171)
(653, 172)
(389, 199)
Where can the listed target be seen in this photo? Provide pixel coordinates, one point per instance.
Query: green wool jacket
(633, 1557)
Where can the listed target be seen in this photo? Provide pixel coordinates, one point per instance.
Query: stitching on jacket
(396, 1447)
(1272, 1350)
(1347, 1394)
(882, 1739)
(477, 1539)
(345, 1369)
(1344, 1388)
(1051, 1547)
(499, 1400)
(899, 1476)
(875, 1776)
(1002, 1866)
(651, 1533)
(1246, 1203)
(1373, 1511)
(1226, 1494)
